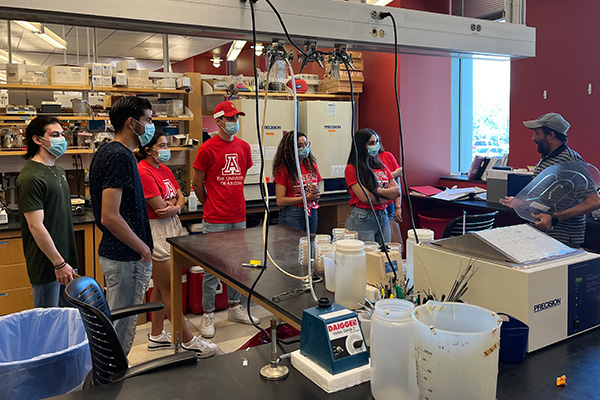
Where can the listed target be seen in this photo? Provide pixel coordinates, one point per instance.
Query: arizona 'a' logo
(232, 167)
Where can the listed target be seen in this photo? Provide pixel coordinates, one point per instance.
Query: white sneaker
(202, 347)
(160, 342)
(238, 314)
(207, 325)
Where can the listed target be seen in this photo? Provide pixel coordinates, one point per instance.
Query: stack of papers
(460, 193)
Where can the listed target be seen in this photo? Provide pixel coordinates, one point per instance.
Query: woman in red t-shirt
(394, 208)
(164, 201)
(379, 187)
(287, 185)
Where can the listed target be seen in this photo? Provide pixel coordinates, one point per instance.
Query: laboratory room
(325, 199)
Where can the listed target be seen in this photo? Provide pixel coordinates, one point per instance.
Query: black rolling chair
(473, 223)
(109, 363)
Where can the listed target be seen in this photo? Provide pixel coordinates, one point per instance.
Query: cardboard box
(110, 99)
(175, 108)
(209, 85)
(15, 72)
(120, 79)
(106, 81)
(166, 83)
(125, 65)
(107, 69)
(66, 75)
(355, 54)
(137, 74)
(357, 76)
(339, 86)
(357, 64)
(97, 81)
(183, 82)
(94, 68)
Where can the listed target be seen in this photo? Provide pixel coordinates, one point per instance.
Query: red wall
(424, 84)
(566, 61)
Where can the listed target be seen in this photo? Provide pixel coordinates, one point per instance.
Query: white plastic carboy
(350, 273)
(393, 368)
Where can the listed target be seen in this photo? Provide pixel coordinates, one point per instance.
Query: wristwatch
(554, 219)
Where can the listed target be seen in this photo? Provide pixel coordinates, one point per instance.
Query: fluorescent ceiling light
(235, 49)
(33, 27)
(379, 2)
(15, 59)
(52, 38)
(44, 33)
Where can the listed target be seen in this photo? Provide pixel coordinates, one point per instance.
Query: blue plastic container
(514, 335)
(43, 352)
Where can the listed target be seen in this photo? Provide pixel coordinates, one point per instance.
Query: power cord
(383, 15)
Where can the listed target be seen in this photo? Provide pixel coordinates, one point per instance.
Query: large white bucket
(457, 351)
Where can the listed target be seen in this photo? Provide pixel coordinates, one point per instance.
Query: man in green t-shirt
(45, 210)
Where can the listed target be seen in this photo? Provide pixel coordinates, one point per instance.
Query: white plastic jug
(329, 269)
(350, 273)
(457, 351)
(424, 235)
(393, 370)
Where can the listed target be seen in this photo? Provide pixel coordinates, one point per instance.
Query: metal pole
(95, 39)
(9, 41)
(77, 43)
(166, 63)
(87, 34)
(65, 49)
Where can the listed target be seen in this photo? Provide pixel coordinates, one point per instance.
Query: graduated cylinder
(393, 368)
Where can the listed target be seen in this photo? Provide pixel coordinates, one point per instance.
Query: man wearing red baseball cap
(220, 169)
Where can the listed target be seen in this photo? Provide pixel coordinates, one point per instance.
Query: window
(480, 110)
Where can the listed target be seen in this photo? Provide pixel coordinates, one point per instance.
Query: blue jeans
(361, 220)
(390, 211)
(294, 216)
(210, 282)
(49, 295)
(126, 282)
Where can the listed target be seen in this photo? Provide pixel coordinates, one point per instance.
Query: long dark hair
(37, 127)
(366, 163)
(285, 157)
(143, 152)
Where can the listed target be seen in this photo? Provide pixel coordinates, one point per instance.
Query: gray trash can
(43, 352)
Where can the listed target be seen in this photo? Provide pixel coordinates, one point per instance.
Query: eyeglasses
(300, 147)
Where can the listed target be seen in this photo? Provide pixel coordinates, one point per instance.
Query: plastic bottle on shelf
(192, 200)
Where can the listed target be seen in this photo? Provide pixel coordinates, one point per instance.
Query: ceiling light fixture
(216, 60)
(380, 2)
(235, 49)
(15, 59)
(33, 27)
(44, 33)
(258, 49)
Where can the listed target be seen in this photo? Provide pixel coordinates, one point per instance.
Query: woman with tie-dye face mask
(288, 189)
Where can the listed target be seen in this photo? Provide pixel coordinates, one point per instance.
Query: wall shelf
(8, 152)
(113, 89)
(63, 88)
(303, 96)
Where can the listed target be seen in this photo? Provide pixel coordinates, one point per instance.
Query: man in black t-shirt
(125, 252)
(45, 209)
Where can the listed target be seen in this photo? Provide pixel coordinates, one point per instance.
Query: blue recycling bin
(43, 352)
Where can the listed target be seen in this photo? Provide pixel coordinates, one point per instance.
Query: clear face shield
(556, 188)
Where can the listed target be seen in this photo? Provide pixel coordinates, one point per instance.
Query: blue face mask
(303, 152)
(232, 127)
(373, 150)
(58, 146)
(164, 155)
(148, 134)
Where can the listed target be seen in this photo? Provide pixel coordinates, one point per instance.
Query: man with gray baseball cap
(550, 136)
